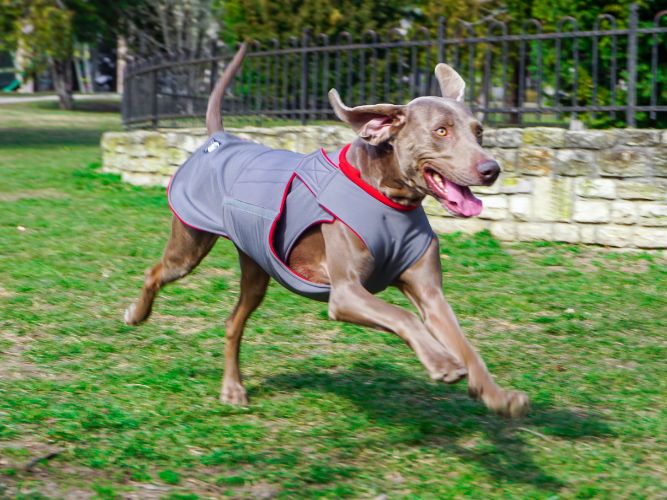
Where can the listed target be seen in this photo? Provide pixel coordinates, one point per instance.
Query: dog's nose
(489, 171)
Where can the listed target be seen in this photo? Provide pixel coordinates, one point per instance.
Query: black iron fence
(610, 74)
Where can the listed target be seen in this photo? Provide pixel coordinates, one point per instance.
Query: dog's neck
(379, 168)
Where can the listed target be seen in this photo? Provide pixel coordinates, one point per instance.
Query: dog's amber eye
(442, 131)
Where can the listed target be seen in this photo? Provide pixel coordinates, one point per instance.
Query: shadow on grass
(42, 124)
(442, 417)
(42, 137)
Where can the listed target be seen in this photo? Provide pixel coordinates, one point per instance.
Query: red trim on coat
(275, 224)
(329, 211)
(352, 173)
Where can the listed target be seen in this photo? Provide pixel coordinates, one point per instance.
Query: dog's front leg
(348, 264)
(352, 303)
(422, 284)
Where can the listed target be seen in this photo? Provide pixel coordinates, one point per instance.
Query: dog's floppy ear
(374, 123)
(452, 85)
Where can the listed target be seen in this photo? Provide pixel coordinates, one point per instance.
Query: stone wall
(605, 187)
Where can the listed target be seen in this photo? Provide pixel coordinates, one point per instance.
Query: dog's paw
(513, 404)
(451, 373)
(517, 404)
(454, 375)
(234, 393)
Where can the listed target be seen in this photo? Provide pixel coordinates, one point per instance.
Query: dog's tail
(213, 118)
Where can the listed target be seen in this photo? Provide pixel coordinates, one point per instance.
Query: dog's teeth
(439, 181)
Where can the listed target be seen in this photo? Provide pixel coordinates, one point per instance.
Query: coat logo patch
(212, 147)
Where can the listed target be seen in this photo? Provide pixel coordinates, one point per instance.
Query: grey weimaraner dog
(431, 146)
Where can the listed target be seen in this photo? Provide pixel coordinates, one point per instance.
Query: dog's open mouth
(459, 200)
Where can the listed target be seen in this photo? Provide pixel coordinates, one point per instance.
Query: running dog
(340, 227)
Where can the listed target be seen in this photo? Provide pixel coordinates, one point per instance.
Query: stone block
(141, 136)
(289, 140)
(587, 234)
(659, 162)
(492, 189)
(591, 211)
(334, 137)
(113, 161)
(615, 236)
(639, 137)
(552, 199)
(569, 233)
(454, 224)
(155, 143)
(507, 158)
(495, 207)
(590, 139)
(143, 179)
(521, 207)
(650, 237)
(629, 190)
(623, 212)
(536, 161)
(575, 162)
(174, 139)
(508, 137)
(136, 151)
(195, 131)
(148, 165)
(548, 137)
(596, 188)
(663, 138)
(504, 231)
(530, 231)
(652, 214)
(623, 162)
(115, 141)
(489, 138)
(175, 156)
(515, 185)
(191, 143)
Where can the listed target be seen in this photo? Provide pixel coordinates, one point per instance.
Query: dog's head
(436, 142)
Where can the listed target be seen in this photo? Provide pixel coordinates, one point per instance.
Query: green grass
(336, 410)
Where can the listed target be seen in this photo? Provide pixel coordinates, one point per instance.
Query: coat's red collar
(352, 173)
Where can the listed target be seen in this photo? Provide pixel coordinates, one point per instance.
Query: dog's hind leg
(254, 282)
(184, 251)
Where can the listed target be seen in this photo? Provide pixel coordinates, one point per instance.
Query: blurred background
(534, 62)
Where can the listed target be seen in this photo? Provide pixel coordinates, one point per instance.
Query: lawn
(90, 407)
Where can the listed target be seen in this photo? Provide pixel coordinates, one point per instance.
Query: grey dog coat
(263, 199)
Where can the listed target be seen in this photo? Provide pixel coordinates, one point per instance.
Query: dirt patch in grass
(31, 194)
(13, 365)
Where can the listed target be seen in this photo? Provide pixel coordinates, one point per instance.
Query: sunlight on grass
(336, 410)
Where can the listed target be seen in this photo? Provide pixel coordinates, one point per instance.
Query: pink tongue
(461, 200)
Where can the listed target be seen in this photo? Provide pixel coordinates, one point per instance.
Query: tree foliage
(263, 19)
(266, 19)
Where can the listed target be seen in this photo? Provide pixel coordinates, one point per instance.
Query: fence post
(440, 53)
(154, 112)
(632, 67)
(125, 96)
(304, 77)
(441, 39)
(214, 64)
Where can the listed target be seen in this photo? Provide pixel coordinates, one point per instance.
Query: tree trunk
(61, 72)
(23, 71)
(121, 61)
